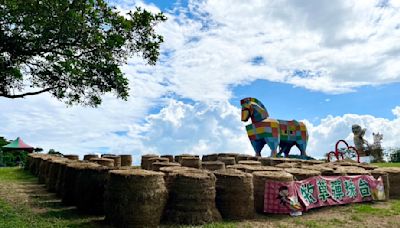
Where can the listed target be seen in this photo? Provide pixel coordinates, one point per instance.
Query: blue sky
(328, 63)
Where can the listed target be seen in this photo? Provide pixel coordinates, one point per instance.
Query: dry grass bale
(71, 156)
(117, 160)
(192, 162)
(231, 155)
(180, 156)
(36, 164)
(126, 159)
(239, 167)
(325, 171)
(346, 162)
(385, 178)
(213, 165)
(249, 162)
(150, 162)
(210, 157)
(274, 161)
(135, 198)
(108, 155)
(312, 162)
(367, 166)
(44, 168)
(53, 172)
(103, 161)
(191, 198)
(60, 176)
(170, 157)
(234, 194)
(69, 180)
(394, 181)
(354, 170)
(252, 169)
(227, 160)
(289, 165)
(259, 179)
(253, 158)
(157, 165)
(33, 162)
(89, 186)
(87, 157)
(145, 161)
(242, 157)
(302, 174)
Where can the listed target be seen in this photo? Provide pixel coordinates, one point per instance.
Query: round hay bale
(60, 176)
(53, 172)
(89, 186)
(289, 165)
(213, 165)
(117, 160)
(180, 156)
(302, 174)
(36, 164)
(354, 171)
(71, 173)
(87, 157)
(145, 161)
(191, 198)
(234, 194)
(34, 161)
(367, 166)
(259, 179)
(252, 169)
(325, 171)
(242, 157)
(192, 162)
(250, 162)
(43, 169)
(150, 161)
(210, 157)
(274, 161)
(126, 159)
(170, 157)
(312, 162)
(71, 156)
(157, 165)
(394, 181)
(227, 160)
(385, 178)
(135, 198)
(103, 161)
(239, 167)
(108, 155)
(253, 158)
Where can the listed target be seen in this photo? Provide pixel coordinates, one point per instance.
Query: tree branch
(25, 94)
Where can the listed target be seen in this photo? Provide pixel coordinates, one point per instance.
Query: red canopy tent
(19, 144)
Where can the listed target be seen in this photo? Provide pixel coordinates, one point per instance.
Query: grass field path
(24, 203)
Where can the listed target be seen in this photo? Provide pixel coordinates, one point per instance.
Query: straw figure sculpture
(210, 157)
(103, 161)
(274, 133)
(250, 162)
(144, 164)
(126, 159)
(259, 179)
(213, 165)
(234, 194)
(71, 172)
(227, 160)
(89, 187)
(192, 162)
(385, 178)
(157, 165)
(71, 156)
(394, 181)
(134, 198)
(302, 174)
(87, 157)
(116, 158)
(170, 157)
(191, 198)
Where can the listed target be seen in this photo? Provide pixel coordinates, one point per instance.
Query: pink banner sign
(284, 197)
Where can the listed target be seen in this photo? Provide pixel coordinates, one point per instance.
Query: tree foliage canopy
(72, 49)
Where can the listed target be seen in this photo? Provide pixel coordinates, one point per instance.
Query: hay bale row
(71, 157)
(191, 197)
(209, 157)
(270, 161)
(126, 159)
(302, 174)
(145, 163)
(87, 157)
(135, 198)
(250, 162)
(227, 160)
(156, 166)
(259, 179)
(170, 157)
(213, 165)
(234, 194)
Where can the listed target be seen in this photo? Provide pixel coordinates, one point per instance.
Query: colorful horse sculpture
(274, 133)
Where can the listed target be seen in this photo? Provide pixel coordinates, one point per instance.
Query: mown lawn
(24, 203)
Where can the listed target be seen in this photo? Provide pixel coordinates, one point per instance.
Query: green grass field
(24, 203)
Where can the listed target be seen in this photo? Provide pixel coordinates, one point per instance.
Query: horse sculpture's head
(254, 109)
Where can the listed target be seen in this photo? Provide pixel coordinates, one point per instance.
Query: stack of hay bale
(192, 162)
(145, 163)
(126, 159)
(213, 165)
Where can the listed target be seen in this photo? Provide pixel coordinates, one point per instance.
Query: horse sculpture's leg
(273, 145)
(302, 147)
(257, 146)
